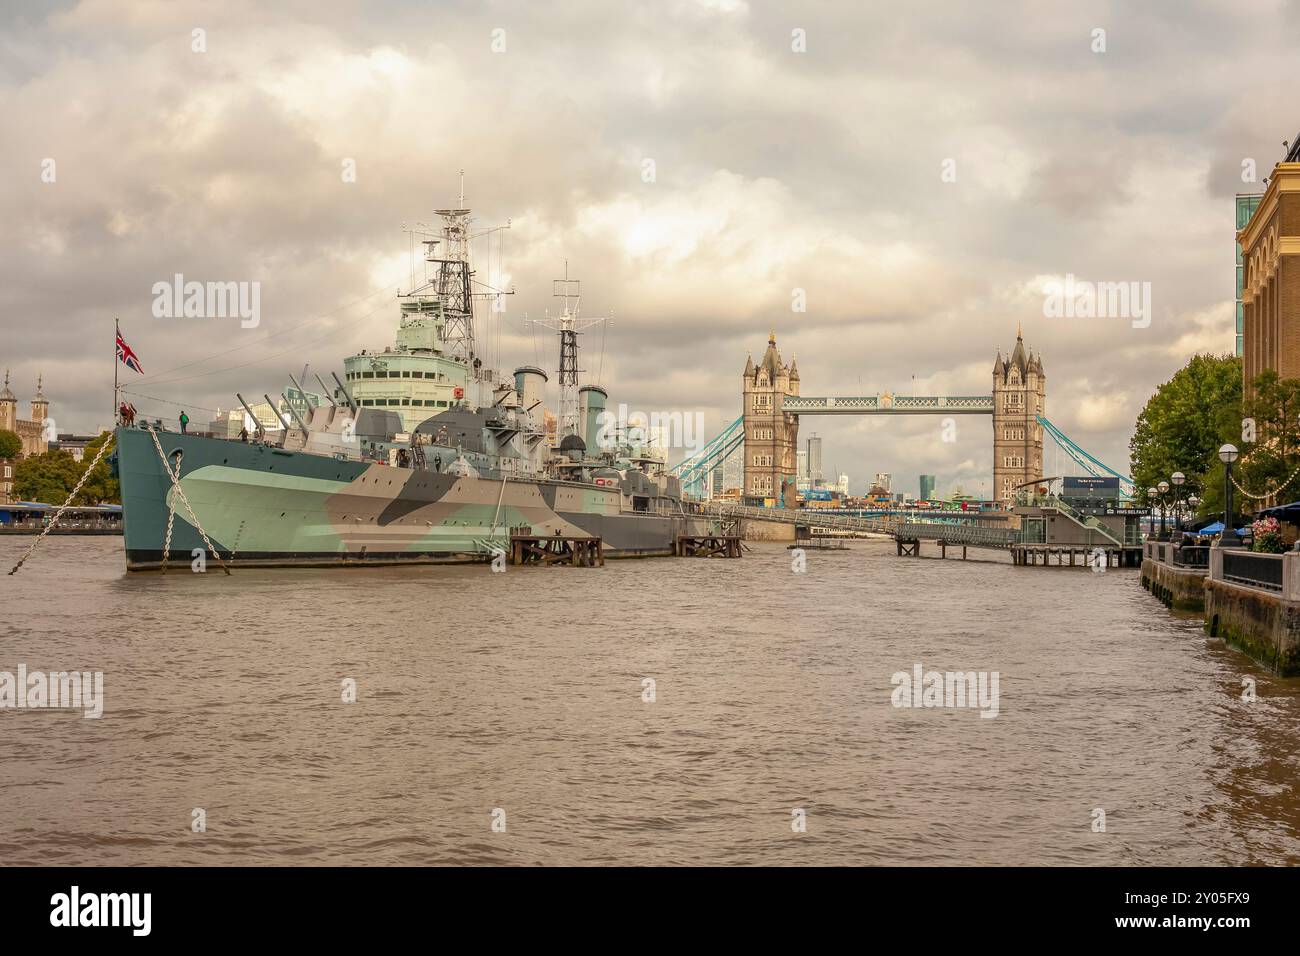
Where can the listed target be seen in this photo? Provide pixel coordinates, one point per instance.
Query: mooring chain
(58, 514)
(171, 520)
(180, 492)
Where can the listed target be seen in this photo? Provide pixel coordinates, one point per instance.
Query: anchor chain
(171, 519)
(178, 491)
(58, 514)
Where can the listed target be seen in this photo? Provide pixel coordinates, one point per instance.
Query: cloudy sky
(775, 169)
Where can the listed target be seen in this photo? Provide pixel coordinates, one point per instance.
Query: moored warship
(419, 454)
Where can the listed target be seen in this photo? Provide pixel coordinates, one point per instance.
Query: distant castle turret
(31, 431)
(1019, 397)
(771, 435)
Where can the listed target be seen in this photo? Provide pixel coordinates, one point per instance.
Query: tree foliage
(1183, 425)
(1272, 414)
(10, 444)
(1201, 408)
(101, 487)
(50, 477)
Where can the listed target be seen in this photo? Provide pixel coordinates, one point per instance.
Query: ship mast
(568, 324)
(452, 284)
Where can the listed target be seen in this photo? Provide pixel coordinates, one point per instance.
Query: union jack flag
(127, 357)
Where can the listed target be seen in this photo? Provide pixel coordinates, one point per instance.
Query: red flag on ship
(127, 357)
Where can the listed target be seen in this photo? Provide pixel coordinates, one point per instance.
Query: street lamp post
(1228, 454)
(1151, 500)
(1164, 498)
(1178, 479)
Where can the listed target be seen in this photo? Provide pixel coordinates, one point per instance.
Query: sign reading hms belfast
(420, 454)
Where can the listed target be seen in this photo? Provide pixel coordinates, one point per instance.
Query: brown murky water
(523, 692)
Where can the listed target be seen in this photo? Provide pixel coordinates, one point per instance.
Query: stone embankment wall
(1182, 589)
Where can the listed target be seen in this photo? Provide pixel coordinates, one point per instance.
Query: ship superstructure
(434, 363)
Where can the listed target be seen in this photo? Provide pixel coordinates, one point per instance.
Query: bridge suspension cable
(1094, 466)
(695, 469)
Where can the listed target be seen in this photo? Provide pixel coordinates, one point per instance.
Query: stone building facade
(1270, 293)
(31, 431)
(771, 434)
(1019, 397)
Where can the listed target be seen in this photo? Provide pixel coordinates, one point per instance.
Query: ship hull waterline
(263, 506)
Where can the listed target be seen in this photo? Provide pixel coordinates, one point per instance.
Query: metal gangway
(897, 528)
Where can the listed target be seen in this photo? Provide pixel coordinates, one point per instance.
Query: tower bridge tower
(771, 429)
(771, 434)
(1019, 397)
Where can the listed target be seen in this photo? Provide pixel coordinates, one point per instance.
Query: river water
(503, 718)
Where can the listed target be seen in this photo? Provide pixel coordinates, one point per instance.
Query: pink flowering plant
(1268, 536)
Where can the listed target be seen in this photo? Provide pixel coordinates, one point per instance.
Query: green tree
(1272, 415)
(1183, 425)
(50, 477)
(100, 487)
(10, 444)
(47, 477)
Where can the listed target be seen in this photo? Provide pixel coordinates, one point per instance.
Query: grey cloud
(817, 170)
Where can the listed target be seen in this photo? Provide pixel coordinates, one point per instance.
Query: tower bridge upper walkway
(887, 404)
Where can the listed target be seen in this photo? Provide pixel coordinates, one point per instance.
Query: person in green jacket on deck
(185, 420)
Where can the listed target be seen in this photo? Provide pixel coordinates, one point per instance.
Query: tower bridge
(767, 432)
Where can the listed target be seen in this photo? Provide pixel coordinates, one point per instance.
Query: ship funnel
(591, 405)
(530, 384)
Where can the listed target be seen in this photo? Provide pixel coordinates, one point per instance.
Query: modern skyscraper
(814, 456)
(927, 487)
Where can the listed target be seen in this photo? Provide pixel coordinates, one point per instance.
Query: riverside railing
(1190, 556)
(1254, 570)
(1277, 574)
(1178, 555)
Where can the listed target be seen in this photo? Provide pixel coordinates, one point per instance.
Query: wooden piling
(707, 546)
(557, 550)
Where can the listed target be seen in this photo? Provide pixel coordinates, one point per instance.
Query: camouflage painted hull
(262, 505)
